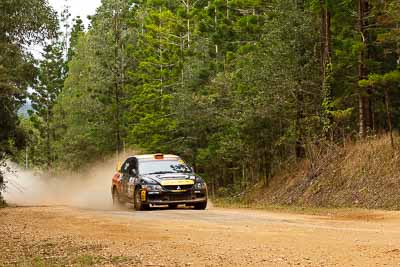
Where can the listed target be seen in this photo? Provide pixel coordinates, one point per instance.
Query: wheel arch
(138, 187)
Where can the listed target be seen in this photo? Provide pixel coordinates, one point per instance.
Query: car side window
(128, 166)
(132, 166)
(125, 167)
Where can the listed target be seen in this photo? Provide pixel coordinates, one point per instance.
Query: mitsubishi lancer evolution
(157, 179)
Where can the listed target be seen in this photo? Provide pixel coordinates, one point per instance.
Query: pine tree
(23, 23)
(158, 56)
(49, 86)
(92, 103)
(235, 86)
(77, 30)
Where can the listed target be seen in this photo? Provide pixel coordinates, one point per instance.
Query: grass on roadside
(319, 211)
(77, 260)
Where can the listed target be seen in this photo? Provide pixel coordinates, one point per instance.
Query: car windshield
(163, 166)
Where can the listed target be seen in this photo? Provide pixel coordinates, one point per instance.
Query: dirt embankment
(365, 175)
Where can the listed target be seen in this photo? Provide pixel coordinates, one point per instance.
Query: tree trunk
(188, 24)
(322, 40)
(299, 147)
(389, 116)
(118, 81)
(365, 118)
(48, 144)
(300, 150)
(326, 41)
(326, 67)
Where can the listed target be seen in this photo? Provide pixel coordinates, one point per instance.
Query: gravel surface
(67, 236)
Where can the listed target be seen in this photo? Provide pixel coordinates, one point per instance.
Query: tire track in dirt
(62, 235)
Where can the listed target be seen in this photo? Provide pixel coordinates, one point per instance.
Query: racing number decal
(143, 195)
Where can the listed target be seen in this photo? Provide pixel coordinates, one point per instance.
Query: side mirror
(133, 172)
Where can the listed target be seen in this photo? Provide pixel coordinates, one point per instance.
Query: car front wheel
(139, 205)
(200, 206)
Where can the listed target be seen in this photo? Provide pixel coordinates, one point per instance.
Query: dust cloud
(89, 189)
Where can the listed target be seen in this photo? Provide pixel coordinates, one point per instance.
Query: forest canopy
(23, 23)
(236, 87)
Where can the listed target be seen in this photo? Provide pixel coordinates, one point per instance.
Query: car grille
(177, 197)
(175, 187)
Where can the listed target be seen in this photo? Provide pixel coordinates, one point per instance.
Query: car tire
(139, 205)
(117, 203)
(200, 206)
(172, 206)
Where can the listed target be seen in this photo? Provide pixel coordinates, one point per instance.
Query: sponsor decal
(177, 182)
(143, 195)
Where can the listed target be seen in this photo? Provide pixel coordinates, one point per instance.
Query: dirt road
(61, 235)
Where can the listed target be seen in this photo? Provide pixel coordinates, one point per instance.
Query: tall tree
(77, 30)
(49, 86)
(23, 23)
(326, 64)
(237, 87)
(158, 56)
(365, 113)
(94, 91)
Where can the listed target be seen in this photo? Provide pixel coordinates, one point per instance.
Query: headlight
(200, 186)
(153, 187)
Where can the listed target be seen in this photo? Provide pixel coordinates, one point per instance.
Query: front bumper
(168, 197)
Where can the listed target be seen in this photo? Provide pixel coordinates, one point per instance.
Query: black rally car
(157, 179)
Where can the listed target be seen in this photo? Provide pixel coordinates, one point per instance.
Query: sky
(81, 8)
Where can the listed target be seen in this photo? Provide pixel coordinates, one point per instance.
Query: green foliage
(88, 113)
(77, 31)
(390, 79)
(158, 57)
(23, 23)
(236, 87)
(26, 22)
(49, 86)
(82, 121)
